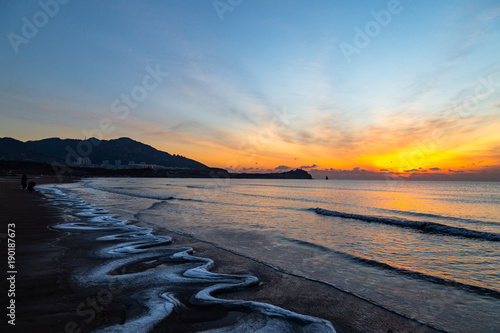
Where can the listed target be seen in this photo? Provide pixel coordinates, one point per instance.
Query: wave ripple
(167, 282)
(426, 227)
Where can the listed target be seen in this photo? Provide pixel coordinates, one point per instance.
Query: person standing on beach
(24, 181)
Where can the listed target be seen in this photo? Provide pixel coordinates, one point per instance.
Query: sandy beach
(47, 300)
(42, 300)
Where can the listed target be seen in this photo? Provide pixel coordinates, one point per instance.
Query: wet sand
(48, 301)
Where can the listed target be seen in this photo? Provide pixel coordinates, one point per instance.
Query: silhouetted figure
(326, 177)
(24, 181)
(31, 186)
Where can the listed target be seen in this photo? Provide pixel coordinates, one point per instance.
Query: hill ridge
(75, 152)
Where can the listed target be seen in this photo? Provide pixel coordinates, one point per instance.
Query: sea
(429, 251)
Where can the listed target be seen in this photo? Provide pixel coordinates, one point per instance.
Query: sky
(365, 89)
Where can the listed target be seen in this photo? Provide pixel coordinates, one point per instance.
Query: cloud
(355, 173)
(435, 169)
(492, 174)
(383, 170)
(282, 167)
(308, 166)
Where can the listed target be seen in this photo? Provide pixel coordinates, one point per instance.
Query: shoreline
(346, 312)
(42, 299)
(42, 264)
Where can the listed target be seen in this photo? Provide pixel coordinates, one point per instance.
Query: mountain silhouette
(67, 151)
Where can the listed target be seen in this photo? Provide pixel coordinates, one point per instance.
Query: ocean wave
(426, 227)
(442, 217)
(430, 278)
(364, 189)
(165, 280)
(301, 199)
(319, 202)
(207, 187)
(130, 193)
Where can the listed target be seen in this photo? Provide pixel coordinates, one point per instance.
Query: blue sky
(227, 79)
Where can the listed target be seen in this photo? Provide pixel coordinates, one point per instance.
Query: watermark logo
(30, 28)
(414, 159)
(371, 30)
(255, 143)
(11, 273)
(121, 107)
(249, 147)
(139, 93)
(223, 6)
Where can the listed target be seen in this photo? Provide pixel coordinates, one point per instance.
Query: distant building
(105, 164)
(118, 163)
(84, 161)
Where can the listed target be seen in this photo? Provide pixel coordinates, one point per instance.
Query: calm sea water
(426, 250)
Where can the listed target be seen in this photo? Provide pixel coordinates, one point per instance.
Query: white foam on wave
(125, 245)
(91, 212)
(426, 227)
(158, 308)
(110, 218)
(259, 323)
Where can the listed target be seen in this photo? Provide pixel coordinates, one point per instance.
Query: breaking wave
(426, 227)
(404, 271)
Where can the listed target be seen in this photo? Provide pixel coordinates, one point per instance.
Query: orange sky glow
(260, 92)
